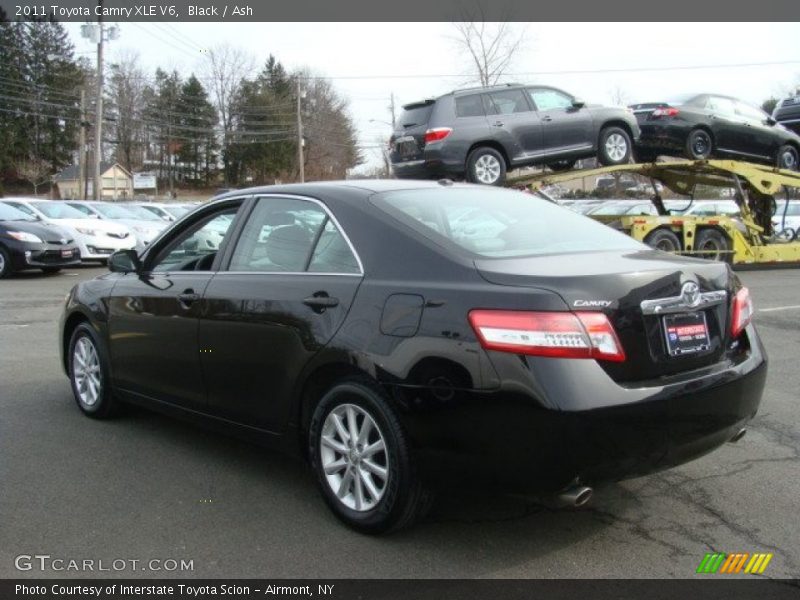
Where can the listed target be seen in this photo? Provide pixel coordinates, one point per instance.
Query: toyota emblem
(690, 294)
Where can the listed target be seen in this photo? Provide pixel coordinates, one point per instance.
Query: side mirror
(578, 103)
(93, 216)
(124, 261)
(770, 121)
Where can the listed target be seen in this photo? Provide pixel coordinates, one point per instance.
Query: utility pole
(391, 108)
(98, 117)
(300, 159)
(82, 149)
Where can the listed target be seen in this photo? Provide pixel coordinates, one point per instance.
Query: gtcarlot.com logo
(721, 563)
(46, 562)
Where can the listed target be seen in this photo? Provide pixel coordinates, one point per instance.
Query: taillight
(556, 334)
(742, 311)
(665, 112)
(436, 134)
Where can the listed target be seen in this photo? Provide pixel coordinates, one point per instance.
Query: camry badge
(591, 303)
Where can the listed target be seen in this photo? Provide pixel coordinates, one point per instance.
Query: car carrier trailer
(741, 241)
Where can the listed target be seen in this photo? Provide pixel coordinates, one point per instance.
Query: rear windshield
(496, 223)
(416, 114)
(58, 210)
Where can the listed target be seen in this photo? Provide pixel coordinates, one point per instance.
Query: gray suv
(481, 133)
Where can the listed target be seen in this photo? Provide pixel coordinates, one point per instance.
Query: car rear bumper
(543, 434)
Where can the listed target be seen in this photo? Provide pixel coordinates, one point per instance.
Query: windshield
(493, 222)
(58, 210)
(112, 211)
(9, 213)
(142, 213)
(176, 211)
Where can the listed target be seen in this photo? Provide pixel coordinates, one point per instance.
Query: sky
(599, 62)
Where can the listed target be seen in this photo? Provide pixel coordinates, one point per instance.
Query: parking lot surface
(149, 487)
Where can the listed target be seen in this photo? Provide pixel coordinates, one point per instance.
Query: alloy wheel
(354, 457)
(86, 372)
(616, 147)
(487, 169)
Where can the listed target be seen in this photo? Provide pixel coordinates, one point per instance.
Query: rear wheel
(614, 147)
(88, 373)
(663, 239)
(788, 158)
(712, 245)
(562, 165)
(699, 145)
(486, 165)
(362, 457)
(5, 263)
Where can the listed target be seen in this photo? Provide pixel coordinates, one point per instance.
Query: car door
(726, 126)
(288, 285)
(153, 315)
(761, 140)
(515, 124)
(565, 127)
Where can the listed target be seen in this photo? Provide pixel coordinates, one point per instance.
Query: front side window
(196, 248)
(549, 99)
(751, 113)
(287, 235)
(499, 223)
(507, 102)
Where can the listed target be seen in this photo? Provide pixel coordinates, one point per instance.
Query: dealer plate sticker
(686, 333)
(66, 253)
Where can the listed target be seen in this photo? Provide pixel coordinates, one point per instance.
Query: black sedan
(702, 126)
(26, 244)
(404, 336)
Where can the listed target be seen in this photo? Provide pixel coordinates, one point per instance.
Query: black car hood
(48, 233)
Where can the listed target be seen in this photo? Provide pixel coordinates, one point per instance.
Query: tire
(787, 158)
(664, 240)
(562, 165)
(614, 146)
(50, 270)
(699, 145)
(395, 501)
(93, 367)
(5, 263)
(487, 166)
(712, 245)
(645, 156)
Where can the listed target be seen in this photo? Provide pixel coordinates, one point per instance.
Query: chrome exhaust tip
(576, 496)
(739, 435)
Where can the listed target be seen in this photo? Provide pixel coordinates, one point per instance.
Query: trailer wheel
(664, 240)
(712, 245)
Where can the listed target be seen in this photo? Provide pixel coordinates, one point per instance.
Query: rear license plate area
(686, 333)
(66, 254)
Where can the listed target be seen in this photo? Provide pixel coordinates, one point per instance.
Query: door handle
(187, 298)
(497, 124)
(320, 301)
(547, 118)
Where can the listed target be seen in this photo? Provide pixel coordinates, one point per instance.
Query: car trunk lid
(661, 306)
(408, 139)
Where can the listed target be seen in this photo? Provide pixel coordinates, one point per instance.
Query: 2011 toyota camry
(409, 335)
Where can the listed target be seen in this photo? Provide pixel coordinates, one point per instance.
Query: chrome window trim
(284, 273)
(277, 195)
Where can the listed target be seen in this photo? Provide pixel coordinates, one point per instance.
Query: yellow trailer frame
(748, 239)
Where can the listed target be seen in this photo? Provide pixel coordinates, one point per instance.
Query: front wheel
(89, 375)
(614, 146)
(487, 166)
(5, 263)
(788, 158)
(699, 145)
(362, 457)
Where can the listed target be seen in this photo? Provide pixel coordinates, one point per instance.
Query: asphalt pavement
(146, 487)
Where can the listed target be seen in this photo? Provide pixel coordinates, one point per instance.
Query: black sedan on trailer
(27, 244)
(702, 126)
(409, 335)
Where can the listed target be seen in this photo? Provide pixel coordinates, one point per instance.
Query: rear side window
(507, 102)
(499, 223)
(416, 114)
(469, 106)
(721, 106)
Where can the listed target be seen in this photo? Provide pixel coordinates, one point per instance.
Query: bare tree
(35, 171)
(492, 47)
(619, 97)
(227, 67)
(126, 99)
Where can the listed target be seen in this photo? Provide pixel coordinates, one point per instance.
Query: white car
(168, 212)
(145, 225)
(96, 239)
(789, 220)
